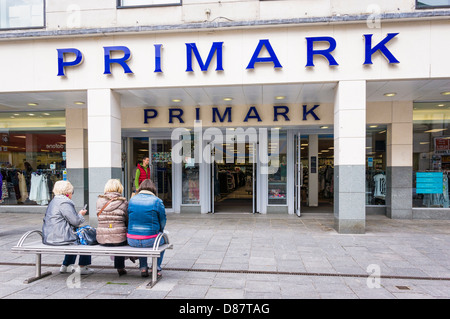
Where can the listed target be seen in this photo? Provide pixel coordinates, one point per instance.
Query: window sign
(429, 182)
(442, 145)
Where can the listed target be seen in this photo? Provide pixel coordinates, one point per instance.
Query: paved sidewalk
(243, 256)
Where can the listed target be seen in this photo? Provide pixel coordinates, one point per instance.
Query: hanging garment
(22, 188)
(445, 197)
(4, 190)
(35, 183)
(39, 189)
(380, 186)
(43, 196)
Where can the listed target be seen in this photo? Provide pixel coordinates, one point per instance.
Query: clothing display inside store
(375, 187)
(31, 160)
(191, 186)
(28, 188)
(326, 180)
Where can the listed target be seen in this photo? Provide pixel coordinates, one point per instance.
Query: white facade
(351, 95)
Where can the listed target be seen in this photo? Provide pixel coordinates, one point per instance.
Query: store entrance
(317, 156)
(159, 151)
(233, 178)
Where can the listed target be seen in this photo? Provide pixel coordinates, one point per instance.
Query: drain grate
(303, 273)
(288, 273)
(403, 287)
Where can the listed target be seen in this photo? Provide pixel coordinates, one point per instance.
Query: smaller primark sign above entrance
(263, 53)
(216, 115)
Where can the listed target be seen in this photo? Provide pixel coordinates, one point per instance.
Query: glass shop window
(376, 165)
(431, 154)
(18, 14)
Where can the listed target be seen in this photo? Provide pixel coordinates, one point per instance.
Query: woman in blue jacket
(146, 219)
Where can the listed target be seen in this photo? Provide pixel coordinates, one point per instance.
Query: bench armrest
(25, 236)
(158, 240)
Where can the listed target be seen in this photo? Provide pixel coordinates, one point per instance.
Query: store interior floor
(238, 201)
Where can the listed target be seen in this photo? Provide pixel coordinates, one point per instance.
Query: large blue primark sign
(216, 49)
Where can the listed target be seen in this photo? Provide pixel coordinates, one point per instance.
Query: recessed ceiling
(56, 100)
(264, 94)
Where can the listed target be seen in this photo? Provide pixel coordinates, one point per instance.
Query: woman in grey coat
(59, 222)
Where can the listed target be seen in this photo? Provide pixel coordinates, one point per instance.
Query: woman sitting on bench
(59, 222)
(146, 219)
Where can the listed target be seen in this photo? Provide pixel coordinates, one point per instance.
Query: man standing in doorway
(142, 172)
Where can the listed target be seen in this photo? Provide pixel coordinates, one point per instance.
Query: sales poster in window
(442, 145)
(429, 182)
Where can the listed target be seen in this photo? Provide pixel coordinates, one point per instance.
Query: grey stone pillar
(349, 157)
(399, 161)
(76, 155)
(104, 143)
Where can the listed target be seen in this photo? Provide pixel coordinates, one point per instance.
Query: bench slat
(97, 250)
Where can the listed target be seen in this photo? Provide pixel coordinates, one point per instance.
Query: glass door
(253, 153)
(214, 179)
(161, 169)
(298, 171)
(233, 178)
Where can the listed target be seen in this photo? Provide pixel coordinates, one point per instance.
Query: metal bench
(39, 248)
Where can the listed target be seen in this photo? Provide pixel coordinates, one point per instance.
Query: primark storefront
(288, 119)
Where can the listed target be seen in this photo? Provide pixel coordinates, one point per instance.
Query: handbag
(87, 235)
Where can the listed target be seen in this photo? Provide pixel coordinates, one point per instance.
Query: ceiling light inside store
(441, 105)
(79, 103)
(373, 126)
(228, 99)
(280, 97)
(445, 93)
(436, 130)
(144, 130)
(176, 100)
(390, 94)
(33, 104)
(31, 114)
(324, 127)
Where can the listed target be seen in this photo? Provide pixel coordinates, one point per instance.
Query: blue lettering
(311, 111)
(197, 114)
(310, 52)
(62, 64)
(255, 116)
(158, 57)
(147, 116)
(215, 112)
(216, 47)
(122, 61)
(178, 115)
(273, 57)
(379, 47)
(284, 113)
